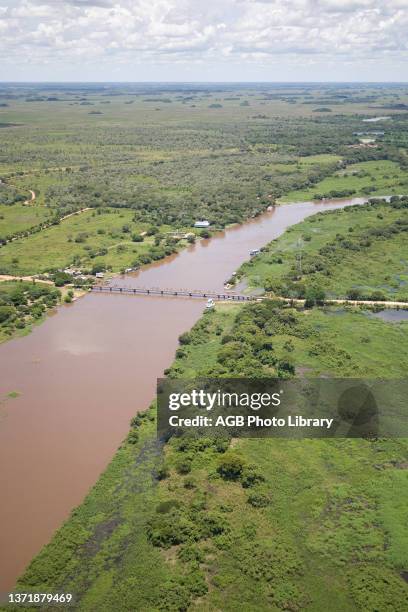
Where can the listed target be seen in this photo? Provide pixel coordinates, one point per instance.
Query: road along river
(88, 369)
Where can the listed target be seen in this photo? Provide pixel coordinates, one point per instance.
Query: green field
(79, 240)
(170, 157)
(359, 250)
(373, 178)
(20, 217)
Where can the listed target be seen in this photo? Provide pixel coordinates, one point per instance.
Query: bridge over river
(86, 371)
(214, 295)
(156, 291)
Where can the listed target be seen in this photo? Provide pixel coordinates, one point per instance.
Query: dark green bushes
(231, 466)
(259, 498)
(179, 525)
(22, 303)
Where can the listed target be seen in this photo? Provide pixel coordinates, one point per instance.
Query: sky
(203, 40)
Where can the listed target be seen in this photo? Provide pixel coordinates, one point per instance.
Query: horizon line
(296, 82)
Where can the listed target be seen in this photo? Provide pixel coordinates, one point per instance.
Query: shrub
(189, 483)
(251, 476)
(196, 584)
(133, 436)
(378, 296)
(185, 338)
(286, 369)
(184, 443)
(163, 472)
(99, 267)
(81, 238)
(167, 505)
(212, 524)
(258, 499)
(199, 502)
(144, 259)
(136, 421)
(169, 529)
(230, 466)
(221, 444)
(314, 295)
(61, 278)
(6, 313)
(173, 596)
(354, 294)
(183, 466)
(190, 552)
(37, 310)
(137, 238)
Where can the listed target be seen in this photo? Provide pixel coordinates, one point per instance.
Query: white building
(202, 224)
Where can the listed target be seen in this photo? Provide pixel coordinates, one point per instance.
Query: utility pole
(299, 255)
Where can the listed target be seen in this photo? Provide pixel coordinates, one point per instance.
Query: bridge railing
(194, 293)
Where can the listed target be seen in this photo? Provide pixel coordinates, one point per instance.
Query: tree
(185, 338)
(314, 295)
(230, 466)
(137, 238)
(378, 296)
(6, 313)
(61, 278)
(354, 294)
(98, 267)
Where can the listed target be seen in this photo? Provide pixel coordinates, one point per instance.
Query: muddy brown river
(88, 369)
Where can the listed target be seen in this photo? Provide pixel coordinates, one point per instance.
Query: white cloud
(79, 32)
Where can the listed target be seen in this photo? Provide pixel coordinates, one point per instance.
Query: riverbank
(264, 537)
(368, 179)
(356, 254)
(23, 305)
(25, 302)
(112, 349)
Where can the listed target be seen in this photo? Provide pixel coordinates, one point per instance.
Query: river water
(88, 369)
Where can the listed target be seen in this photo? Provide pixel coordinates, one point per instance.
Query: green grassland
(303, 525)
(357, 250)
(374, 178)
(80, 240)
(367, 349)
(21, 217)
(173, 155)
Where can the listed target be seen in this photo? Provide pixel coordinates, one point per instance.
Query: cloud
(102, 3)
(154, 31)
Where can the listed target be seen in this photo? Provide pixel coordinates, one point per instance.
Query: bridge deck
(195, 293)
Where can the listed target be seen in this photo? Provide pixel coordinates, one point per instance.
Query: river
(88, 369)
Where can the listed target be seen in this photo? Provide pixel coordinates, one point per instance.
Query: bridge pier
(170, 292)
